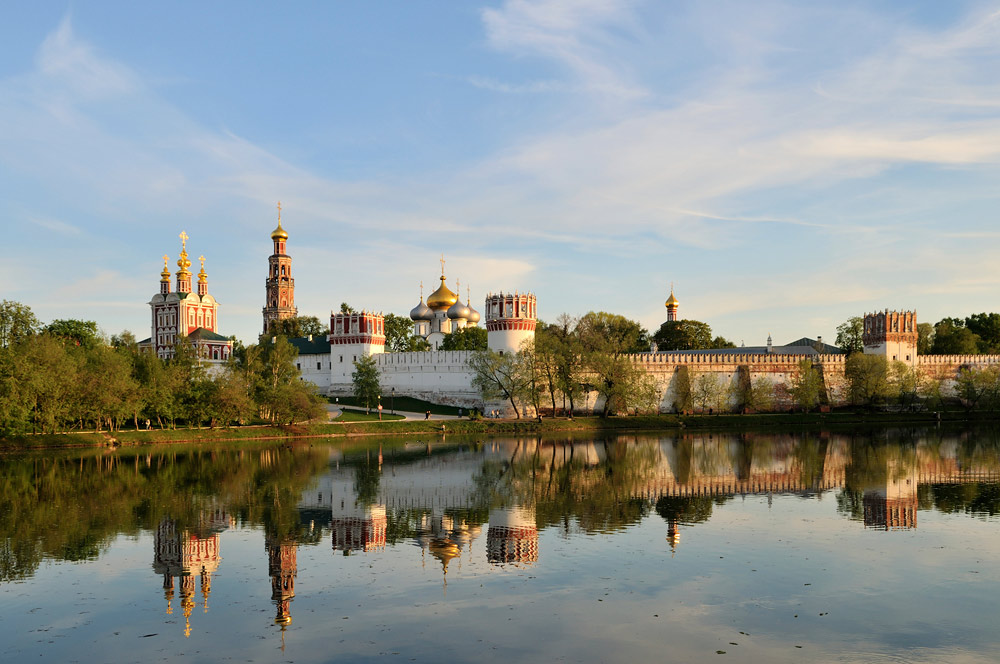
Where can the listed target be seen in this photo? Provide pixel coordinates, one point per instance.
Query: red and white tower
(186, 314)
(352, 336)
(280, 300)
(510, 321)
(892, 334)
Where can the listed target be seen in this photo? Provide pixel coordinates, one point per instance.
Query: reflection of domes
(283, 620)
(421, 312)
(279, 233)
(442, 298)
(459, 310)
(444, 551)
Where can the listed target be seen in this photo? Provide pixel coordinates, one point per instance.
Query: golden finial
(202, 259)
(165, 275)
(421, 290)
(202, 277)
(279, 213)
(442, 266)
(184, 238)
(166, 259)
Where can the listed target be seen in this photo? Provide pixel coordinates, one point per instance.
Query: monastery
(442, 376)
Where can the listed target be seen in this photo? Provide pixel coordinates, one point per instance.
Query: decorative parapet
(755, 359)
(428, 358)
(957, 360)
(365, 327)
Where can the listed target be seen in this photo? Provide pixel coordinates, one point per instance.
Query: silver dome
(459, 310)
(473, 316)
(421, 312)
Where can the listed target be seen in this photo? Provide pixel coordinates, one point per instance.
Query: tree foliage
(367, 388)
(466, 338)
(684, 335)
(807, 386)
(850, 335)
(298, 326)
(17, 321)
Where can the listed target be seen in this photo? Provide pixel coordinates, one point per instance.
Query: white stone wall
(315, 368)
(439, 376)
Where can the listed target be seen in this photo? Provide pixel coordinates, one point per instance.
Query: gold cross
(458, 285)
(442, 265)
(279, 211)
(202, 259)
(421, 290)
(184, 238)
(166, 259)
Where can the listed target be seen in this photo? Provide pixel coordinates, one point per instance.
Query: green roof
(318, 346)
(201, 334)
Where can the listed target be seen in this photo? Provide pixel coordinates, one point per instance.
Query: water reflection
(433, 501)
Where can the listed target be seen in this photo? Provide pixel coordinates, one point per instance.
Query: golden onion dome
(442, 298)
(279, 233)
(671, 301)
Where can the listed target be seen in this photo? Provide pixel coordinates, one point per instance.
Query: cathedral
(185, 313)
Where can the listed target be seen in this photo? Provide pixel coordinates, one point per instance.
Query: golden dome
(165, 275)
(671, 301)
(279, 232)
(442, 298)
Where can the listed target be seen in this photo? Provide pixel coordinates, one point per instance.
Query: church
(186, 314)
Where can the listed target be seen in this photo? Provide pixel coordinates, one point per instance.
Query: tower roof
(279, 233)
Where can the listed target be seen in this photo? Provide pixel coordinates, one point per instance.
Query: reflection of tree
(367, 476)
(131, 491)
(687, 511)
(978, 499)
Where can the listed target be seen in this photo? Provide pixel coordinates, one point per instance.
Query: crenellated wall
(441, 376)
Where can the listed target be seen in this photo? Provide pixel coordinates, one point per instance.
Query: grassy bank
(786, 421)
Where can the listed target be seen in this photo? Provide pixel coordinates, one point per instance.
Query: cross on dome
(184, 238)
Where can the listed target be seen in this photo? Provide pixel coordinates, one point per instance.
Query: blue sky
(786, 165)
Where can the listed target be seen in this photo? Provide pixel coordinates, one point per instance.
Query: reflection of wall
(512, 536)
(358, 528)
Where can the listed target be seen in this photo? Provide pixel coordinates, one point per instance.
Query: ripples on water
(875, 547)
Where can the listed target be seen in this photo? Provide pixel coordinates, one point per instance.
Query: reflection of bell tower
(282, 566)
(187, 556)
(893, 506)
(512, 536)
(673, 535)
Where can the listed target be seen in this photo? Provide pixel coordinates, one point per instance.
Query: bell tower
(280, 300)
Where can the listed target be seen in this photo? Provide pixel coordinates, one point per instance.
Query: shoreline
(721, 422)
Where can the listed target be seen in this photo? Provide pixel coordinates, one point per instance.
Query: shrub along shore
(723, 422)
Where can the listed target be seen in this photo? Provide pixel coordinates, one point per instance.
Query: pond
(755, 547)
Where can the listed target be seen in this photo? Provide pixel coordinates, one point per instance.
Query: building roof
(317, 345)
(201, 334)
(813, 343)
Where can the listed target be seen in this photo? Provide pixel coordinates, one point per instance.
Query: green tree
(366, 381)
(867, 378)
(345, 308)
(297, 327)
(466, 338)
(978, 388)
(685, 335)
(498, 376)
(709, 392)
(951, 337)
(81, 332)
(17, 321)
(605, 341)
(987, 328)
(562, 339)
(925, 338)
(398, 334)
(850, 335)
(683, 398)
(807, 386)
